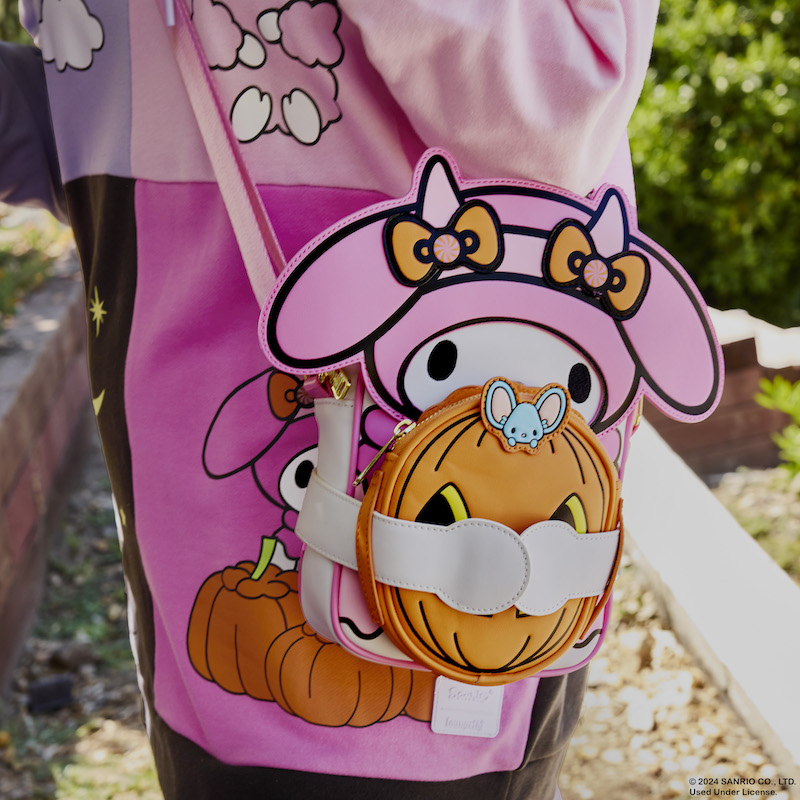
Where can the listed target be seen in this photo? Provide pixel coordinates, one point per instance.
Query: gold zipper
(400, 430)
(336, 381)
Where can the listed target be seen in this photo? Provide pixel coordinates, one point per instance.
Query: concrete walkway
(725, 599)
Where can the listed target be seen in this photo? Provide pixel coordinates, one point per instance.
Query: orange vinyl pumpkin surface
(451, 468)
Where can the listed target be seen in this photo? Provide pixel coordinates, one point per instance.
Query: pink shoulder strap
(262, 254)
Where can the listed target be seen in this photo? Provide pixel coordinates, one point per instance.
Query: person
(28, 159)
(333, 104)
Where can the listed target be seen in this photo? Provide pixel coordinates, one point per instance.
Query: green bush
(715, 149)
(784, 396)
(10, 29)
(27, 252)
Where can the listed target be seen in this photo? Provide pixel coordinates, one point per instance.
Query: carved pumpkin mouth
(448, 505)
(565, 620)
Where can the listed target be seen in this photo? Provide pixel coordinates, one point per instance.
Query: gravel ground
(652, 721)
(78, 656)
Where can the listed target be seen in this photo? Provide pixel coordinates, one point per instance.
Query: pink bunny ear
(674, 340)
(669, 334)
(320, 315)
(229, 446)
(309, 322)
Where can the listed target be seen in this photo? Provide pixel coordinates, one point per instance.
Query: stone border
(44, 415)
(739, 432)
(725, 598)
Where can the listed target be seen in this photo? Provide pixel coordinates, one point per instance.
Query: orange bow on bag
(418, 252)
(571, 261)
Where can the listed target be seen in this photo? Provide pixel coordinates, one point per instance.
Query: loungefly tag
(463, 710)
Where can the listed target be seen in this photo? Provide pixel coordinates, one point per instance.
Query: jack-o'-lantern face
(463, 471)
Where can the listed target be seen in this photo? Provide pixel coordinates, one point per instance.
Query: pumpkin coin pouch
(504, 513)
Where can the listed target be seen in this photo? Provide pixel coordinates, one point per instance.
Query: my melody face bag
(478, 352)
(484, 348)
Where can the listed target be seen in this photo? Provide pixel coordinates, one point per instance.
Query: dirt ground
(652, 722)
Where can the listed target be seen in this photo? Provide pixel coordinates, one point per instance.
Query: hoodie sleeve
(29, 173)
(538, 89)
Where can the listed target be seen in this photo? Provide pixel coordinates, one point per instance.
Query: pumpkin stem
(268, 544)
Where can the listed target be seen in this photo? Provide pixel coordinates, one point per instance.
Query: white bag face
(472, 354)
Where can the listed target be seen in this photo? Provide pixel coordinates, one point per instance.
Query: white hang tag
(462, 709)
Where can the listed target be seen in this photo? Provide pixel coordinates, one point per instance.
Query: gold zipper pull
(401, 429)
(337, 381)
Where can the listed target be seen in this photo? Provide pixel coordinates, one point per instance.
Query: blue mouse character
(524, 423)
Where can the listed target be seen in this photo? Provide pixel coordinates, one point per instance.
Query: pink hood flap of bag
(448, 285)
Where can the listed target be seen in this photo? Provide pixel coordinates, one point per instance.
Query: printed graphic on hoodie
(247, 632)
(285, 59)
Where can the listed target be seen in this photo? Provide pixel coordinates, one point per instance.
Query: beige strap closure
(475, 565)
(366, 566)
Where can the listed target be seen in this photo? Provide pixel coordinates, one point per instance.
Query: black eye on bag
(442, 360)
(572, 512)
(579, 383)
(444, 507)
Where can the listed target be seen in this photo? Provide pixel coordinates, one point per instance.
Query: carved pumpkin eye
(444, 507)
(573, 513)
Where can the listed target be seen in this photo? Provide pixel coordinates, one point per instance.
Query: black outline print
(277, 119)
(89, 15)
